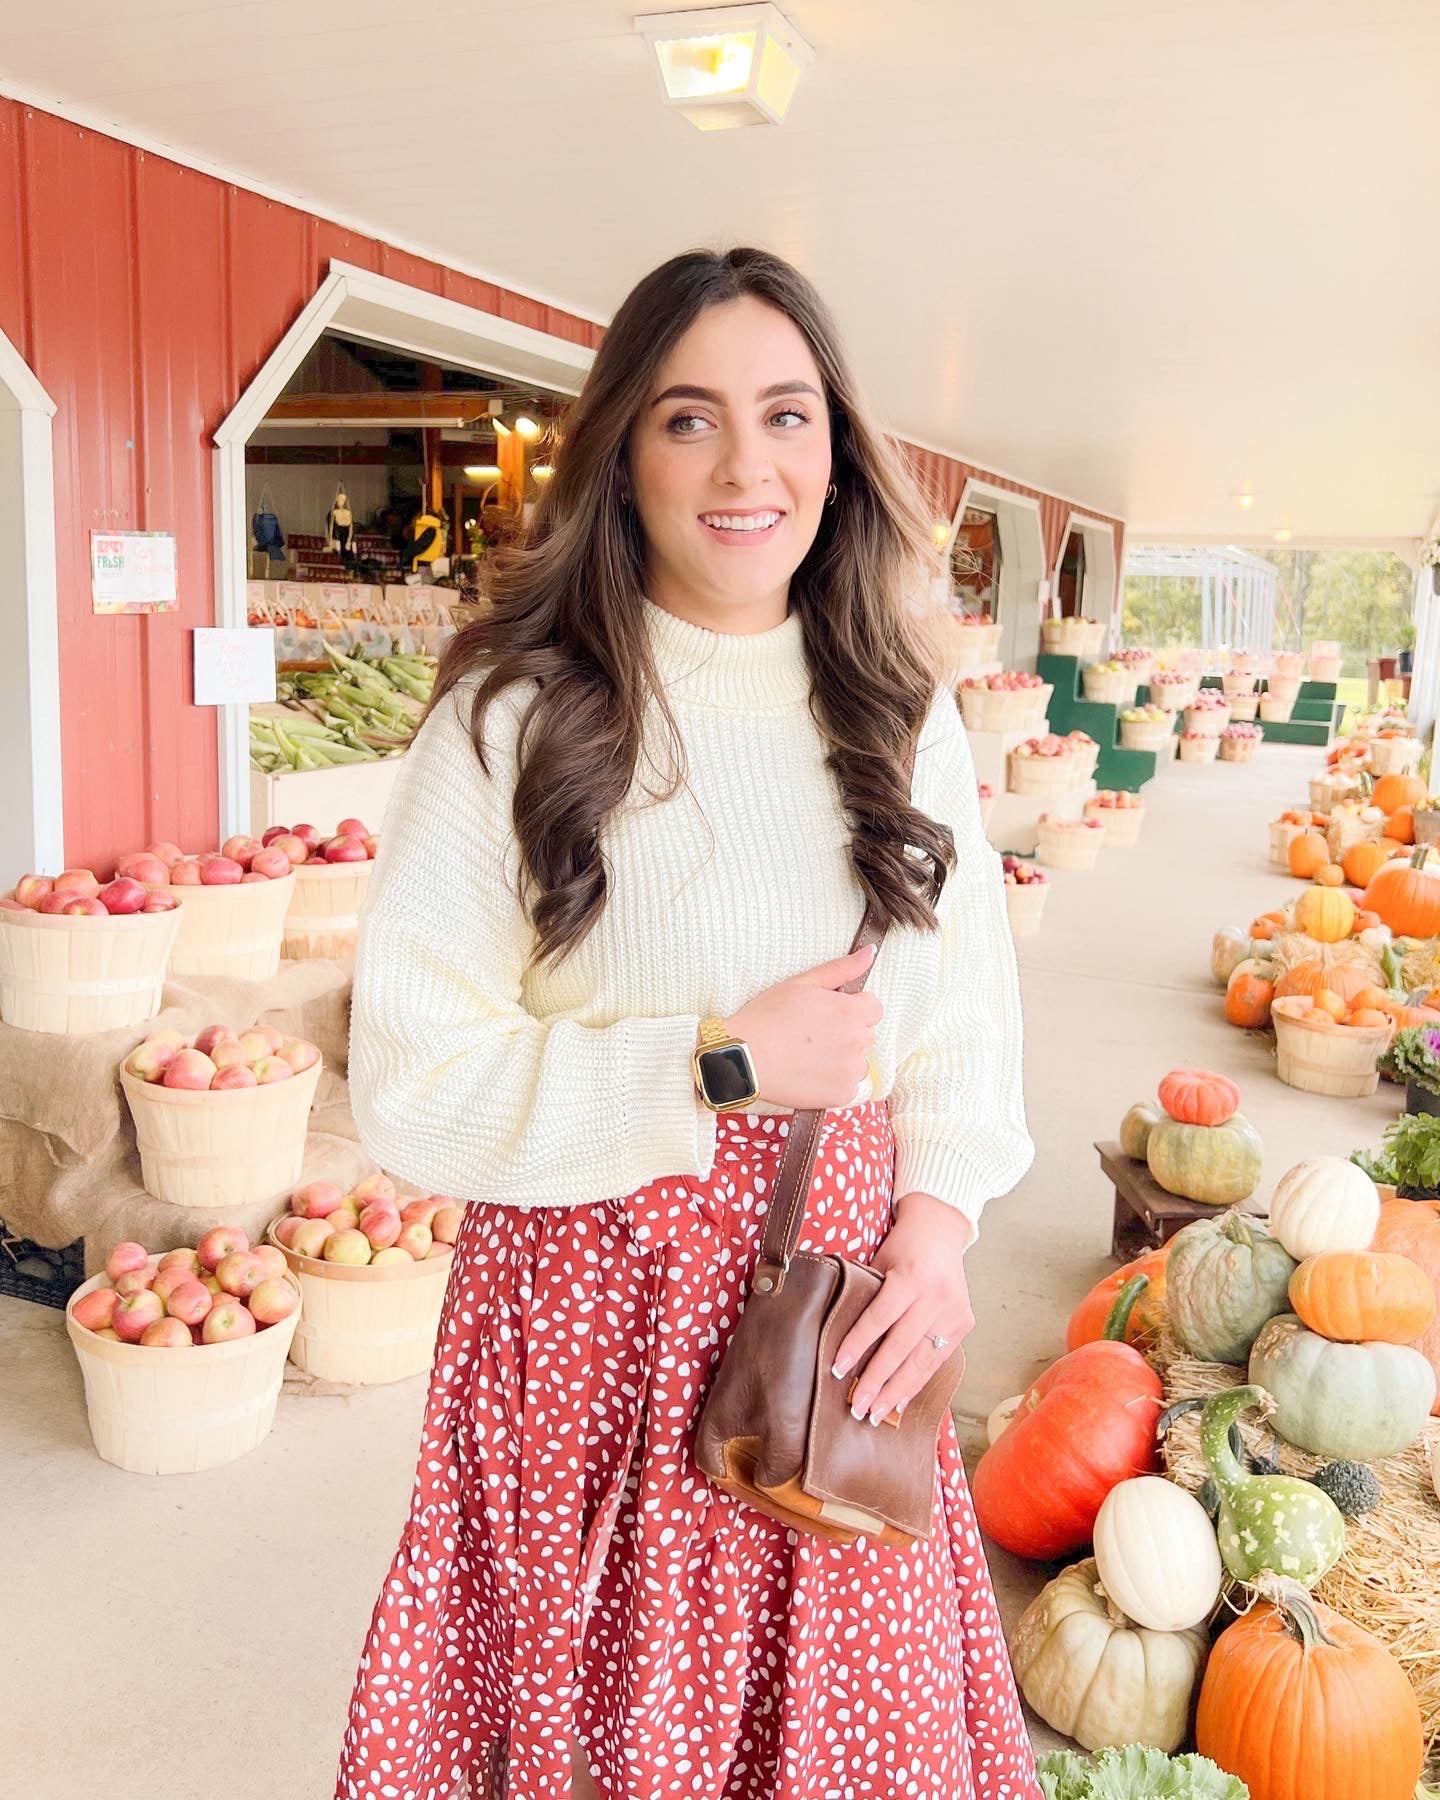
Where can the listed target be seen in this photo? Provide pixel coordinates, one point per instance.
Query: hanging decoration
(340, 527)
(265, 528)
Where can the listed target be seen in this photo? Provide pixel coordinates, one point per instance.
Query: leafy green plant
(1412, 1145)
(1137, 1772)
(1414, 1056)
(1378, 1165)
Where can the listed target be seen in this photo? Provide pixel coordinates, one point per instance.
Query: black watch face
(727, 1075)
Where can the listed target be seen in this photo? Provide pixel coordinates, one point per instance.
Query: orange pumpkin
(1330, 876)
(1406, 897)
(1308, 978)
(1412, 1228)
(1363, 1296)
(1366, 1017)
(1087, 1322)
(1404, 1014)
(1199, 1096)
(1365, 921)
(1392, 791)
(1308, 854)
(1399, 827)
(1248, 994)
(1366, 859)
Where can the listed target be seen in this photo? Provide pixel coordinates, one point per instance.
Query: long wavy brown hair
(566, 612)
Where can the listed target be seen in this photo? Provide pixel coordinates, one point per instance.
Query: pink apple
(372, 847)
(238, 1075)
(168, 1334)
(300, 1053)
(374, 1187)
(316, 1199)
(96, 1310)
(273, 1037)
(310, 1239)
(420, 1212)
(286, 1228)
(54, 904)
(167, 1280)
(220, 871)
(437, 1249)
(383, 1259)
(125, 1257)
(189, 1069)
(197, 1332)
(159, 901)
(109, 1331)
(308, 835)
(190, 1302)
(252, 876)
(218, 1243)
(9, 905)
(211, 1286)
(185, 873)
(82, 906)
(211, 1036)
(273, 864)
(135, 1281)
(180, 1259)
(123, 895)
(445, 1226)
(352, 828)
(256, 1043)
(164, 851)
(344, 1218)
(134, 1312)
(270, 1069)
(380, 1225)
(144, 869)
(347, 1247)
(296, 849)
(229, 1053)
(273, 832)
(240, 1273)
(77, 881)
(273, 1259)
(241, 850)
(417, 1239)
(30, 890)
(346, 850)
(150, 1060)
(225, 1320)
(273, 1301)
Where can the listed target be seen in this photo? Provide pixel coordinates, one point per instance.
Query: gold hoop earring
(831, 494)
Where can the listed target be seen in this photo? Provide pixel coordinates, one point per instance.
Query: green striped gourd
(1267, 1522)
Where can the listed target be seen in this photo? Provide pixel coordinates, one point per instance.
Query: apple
(308, 835)
(167, 1280)
(218, 1243)
(84, 907)
(135, 1281)
(96, 1309)
(109, 1331)
(272, 864)
(189, 1069)
(164, 851)
(54, 904)
(255, 1043)
(225, 1320)
(210, 1284)
(168, 1334)
(346, 850)
(229, 1053)
(352, 828)
(382, 1259)
(420, 1212)
(241, 850)
(271, 1069)
(273, 1259)
(315, 1199)
(9, 905)
(134, 1313)
(437, 1249)
(77, 881)
(124, 1258)
(30, 890)
(309, 1239)
(123, 895)
(144, 869)
(159, 901)
(273, 1301)
(180, 1259)
(274, 831)
(445, 1226)
(372, 847)
(380, 1225)
(344, 1218)
(185, 873)
(417, 1239)
(347, 1247)
(240, 1273)
(238, 1075)
(220, 871)
(251, 876)
(375, 1187)
(295, 849)
(300, 1053)
(211, 1036)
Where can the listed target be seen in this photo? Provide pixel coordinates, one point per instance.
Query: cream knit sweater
(563, 1088)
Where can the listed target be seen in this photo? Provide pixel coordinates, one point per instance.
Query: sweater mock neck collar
(735, 671)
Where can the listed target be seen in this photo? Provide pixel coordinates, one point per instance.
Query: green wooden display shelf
(1070, 711)
(1314, 719)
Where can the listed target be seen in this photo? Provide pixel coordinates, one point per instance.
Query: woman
(657, 786)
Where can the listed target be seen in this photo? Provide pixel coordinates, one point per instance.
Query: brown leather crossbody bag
(776, 1429)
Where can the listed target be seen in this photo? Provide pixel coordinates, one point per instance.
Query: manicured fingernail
(841, 1368)
(876, 1418)
(857, 1413)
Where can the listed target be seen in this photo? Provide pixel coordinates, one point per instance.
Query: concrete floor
(173, 1636)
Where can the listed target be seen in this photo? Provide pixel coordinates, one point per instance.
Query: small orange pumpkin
(1332, 875)
(1406, 897)
(1363, 1296)
(1308, 854)
(1248, 994)
(1346, 979)
(1399, 828)
(1365, 859)
(1365, 921)
(1392, 791)
(1366, 1017)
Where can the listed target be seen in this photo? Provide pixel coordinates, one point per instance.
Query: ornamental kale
(1137, 1772)
(1415, 1056)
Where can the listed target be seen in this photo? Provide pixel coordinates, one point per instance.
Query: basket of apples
(973, 639)
(1244, 707)
(76, 956)
(1071, 637)
(1148, 728)
(1138, 660)
(235, 900)
(221, 1121)
(183, 1353)
(1122, 815)
(1198, 746)
(1069, 843)
(1110, 683)
(1025, 891)
(1012, 700)
(330, 884)
(372, 1270)
(1238, 683)
(1208, 713)
(1050, 766)
(1173, 689)
(1238, 743)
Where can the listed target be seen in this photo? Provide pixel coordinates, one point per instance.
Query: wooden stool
(1145, 1215)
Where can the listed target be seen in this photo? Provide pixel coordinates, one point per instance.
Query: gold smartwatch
(724, 1069)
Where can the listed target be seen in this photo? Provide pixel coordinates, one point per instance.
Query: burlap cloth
(69, 1167)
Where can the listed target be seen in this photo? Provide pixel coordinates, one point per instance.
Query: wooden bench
(1145, 1215)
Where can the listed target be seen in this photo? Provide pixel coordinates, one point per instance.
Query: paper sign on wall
(132, 571)
(234, 666)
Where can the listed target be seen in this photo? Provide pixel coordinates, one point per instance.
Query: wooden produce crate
(323, 797)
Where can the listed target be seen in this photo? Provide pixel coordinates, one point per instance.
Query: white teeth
(737, 522)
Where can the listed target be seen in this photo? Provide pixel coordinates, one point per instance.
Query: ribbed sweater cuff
(669, 1129)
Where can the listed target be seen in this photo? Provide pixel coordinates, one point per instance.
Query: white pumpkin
(1229, 947)
(1324, 1203)
(1156, 1554)
(1094, 1675)
(1002, 1416)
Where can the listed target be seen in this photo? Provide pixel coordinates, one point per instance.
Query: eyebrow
(683, 392)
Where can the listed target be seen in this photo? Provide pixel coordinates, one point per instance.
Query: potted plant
(1412, 1148)
(1405, 639)
(1379, 1165)
(1414, 1058)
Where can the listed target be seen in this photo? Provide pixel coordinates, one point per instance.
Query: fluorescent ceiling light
(727, 65)
(483, 471)
(526, 428)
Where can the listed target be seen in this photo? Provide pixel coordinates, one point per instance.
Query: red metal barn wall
(145, 296)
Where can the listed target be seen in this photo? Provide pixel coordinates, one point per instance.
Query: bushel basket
(234, 930)
(72, 976)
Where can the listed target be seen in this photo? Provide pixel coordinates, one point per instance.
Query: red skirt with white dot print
(566, 1570)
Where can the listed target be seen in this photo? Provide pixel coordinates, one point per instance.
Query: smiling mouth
(739, 526)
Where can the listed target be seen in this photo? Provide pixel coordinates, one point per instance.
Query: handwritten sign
(132, 571)
(234, 666)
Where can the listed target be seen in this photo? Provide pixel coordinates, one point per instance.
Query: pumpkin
(1090, 1318)
(1274, 1523)
(1302, 1705)
(1094, 1675)
(1156, 1554)
(1308, 978)
(1392, 791)
(1087, 1423)
(1248, 994)
(1001, 1417)
(1218, 1165)
(1356, 1401)
(1363, 1296)
(1361, 861)
(1136, 1126)
(1368, 921)
(1324, 1203)
(1307, 855)
(1229, 947)
(1331, 876)
(1225, 1278)
(1325, 915)
(1199, 1097)
(1406, 897)
(1412, 1228)
(1399, 828)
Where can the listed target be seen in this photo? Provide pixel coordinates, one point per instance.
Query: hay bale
(1388, 1577)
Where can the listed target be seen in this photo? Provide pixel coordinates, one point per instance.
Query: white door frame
(1022, 566)
(1100, 597)
(32, 824)
(381, 311)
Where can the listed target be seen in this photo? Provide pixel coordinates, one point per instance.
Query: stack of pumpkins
(1361, 838)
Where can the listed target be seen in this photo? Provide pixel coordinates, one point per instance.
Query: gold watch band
(712, 1031)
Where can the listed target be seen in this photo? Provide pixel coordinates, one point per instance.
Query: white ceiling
(1143, 253)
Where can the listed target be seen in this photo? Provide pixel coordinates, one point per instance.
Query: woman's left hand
(922, 1260)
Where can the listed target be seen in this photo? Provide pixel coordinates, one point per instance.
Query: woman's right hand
(810, 1044)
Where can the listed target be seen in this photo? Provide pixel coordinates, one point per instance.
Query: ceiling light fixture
(526, 428)
(542, 471)
(727, 65)
(483, 471)
(1245, 501)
